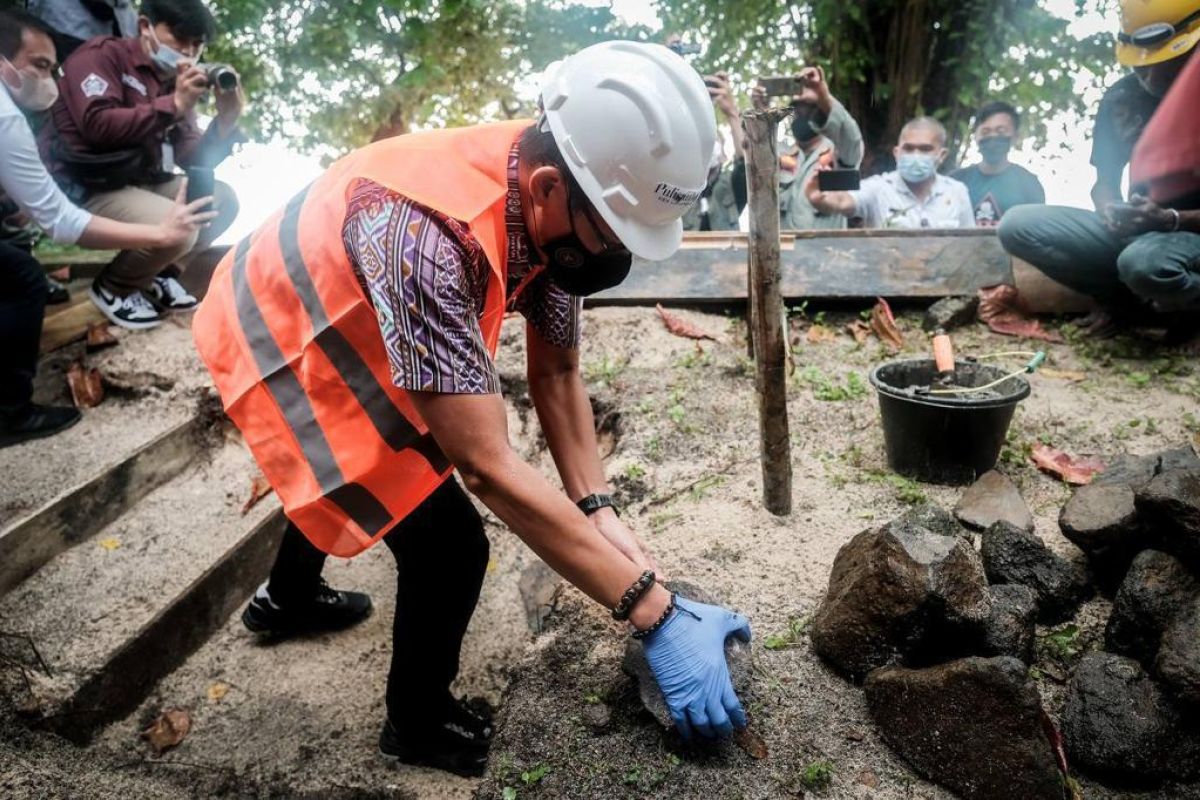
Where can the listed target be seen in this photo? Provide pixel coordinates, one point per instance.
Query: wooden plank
(824, 265)
(77, 514)
(68, 322)
(182, 625)
(768, 320)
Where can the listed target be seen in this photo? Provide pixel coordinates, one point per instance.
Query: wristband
(594, 502)
(659, 622)
(632, 595)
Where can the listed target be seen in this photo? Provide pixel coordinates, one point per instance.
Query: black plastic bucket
(946, 438)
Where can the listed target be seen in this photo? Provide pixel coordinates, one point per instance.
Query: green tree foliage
(890, 60)
(336, 75)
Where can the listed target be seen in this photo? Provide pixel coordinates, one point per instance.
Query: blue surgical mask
(916, 167)
(168, 59)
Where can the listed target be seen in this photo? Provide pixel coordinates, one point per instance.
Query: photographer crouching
(125, 119)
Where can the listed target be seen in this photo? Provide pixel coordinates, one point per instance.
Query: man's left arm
(565, 413)
(841, 129)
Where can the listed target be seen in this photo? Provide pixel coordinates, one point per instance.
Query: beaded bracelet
(632, 595)
(659, 622)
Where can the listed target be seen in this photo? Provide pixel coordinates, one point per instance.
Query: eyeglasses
(1157, 33)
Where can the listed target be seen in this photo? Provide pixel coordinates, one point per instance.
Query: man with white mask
(913, 196)
(27, 67)
(127, 117)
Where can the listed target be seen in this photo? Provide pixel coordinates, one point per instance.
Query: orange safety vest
(294, 345)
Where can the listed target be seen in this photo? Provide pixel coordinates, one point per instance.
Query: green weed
(634, 471)
(700, 489)
(605, 371)
(1060, 646)
(535, 775)
(817, 776)
(826, 389)
(904, 489)
(789, 638)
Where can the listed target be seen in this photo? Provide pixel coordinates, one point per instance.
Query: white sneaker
(133, 311)
(169, 295)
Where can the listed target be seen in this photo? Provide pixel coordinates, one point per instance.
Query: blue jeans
(1076, 248)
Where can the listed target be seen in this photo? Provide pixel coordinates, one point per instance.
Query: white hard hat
(635, 126)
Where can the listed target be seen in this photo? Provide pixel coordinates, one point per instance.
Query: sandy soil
(300, 718)
(33, 473)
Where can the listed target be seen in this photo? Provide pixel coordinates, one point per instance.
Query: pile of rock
(1131, 711)
(944, 652)
(942, 632)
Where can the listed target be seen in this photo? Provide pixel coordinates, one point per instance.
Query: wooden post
(766, 307)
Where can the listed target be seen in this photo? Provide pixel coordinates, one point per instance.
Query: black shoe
(56, 293)
(33, 422)
(328, 610)
(458, 744)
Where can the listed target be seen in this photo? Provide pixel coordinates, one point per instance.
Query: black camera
(220, 76)
(681, 49)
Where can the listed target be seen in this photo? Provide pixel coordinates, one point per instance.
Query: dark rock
(1182, 458)
(1133, 471)
(737, 655)
(597, 716)
(1171, 502)
(1102, 519)
(930, 517)
(990, 499)
(539, 587)
(950, 313)
(1009, 628)
(1100, 515)
(1011, 555)
(895, 592)
(1178, 664)
(1120, 724)
(973, 725)
(1156, 590)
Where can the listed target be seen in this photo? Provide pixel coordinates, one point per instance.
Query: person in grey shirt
(819, 124)
(76, 21)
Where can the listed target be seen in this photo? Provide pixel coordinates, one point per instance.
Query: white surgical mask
(34, 92)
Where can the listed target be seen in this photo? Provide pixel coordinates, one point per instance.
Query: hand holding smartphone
(200, 183)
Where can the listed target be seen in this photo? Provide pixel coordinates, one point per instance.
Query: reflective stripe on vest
(295, 350)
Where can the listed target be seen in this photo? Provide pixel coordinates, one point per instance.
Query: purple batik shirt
(427, 277)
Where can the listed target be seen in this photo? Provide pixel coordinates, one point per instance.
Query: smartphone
(200, 183)
(712, 81)
(782, 85)
(838, 180)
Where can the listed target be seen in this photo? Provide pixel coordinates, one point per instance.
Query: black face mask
(578, 271)
(995, 148)
(802, 129)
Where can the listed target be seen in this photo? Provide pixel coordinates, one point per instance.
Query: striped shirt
(427, 278)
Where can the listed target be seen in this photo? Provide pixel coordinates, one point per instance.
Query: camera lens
(222, 77)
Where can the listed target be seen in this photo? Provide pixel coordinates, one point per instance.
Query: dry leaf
(111, 543)
(883, 323)
(100, 336)
(750, 742)
(1001, 310)
(168, 730)
(868, 778)
(680, 328)
(860, 330)
(259, 488)
(217, 692)
(1075, 376)
(87, 390)
(1074, 471)
(819, 333)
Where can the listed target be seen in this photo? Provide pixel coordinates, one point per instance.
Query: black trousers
(22, 308)
(441, 556)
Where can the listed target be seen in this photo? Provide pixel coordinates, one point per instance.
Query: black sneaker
(133, 311)
(56, 293)
(458, 744)
(328, 610)
(34, 422)
(169, 295)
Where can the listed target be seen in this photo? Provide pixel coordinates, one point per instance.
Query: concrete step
(111, 617)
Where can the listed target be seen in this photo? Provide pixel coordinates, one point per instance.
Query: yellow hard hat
(1153, 31)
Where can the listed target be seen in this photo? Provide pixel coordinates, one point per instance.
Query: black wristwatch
(594, 502)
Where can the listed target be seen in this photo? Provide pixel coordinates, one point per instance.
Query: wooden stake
(766, 307)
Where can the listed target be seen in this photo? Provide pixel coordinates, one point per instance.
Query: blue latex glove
(687, 656)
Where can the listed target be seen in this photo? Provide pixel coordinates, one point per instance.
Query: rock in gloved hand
(737, 656)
